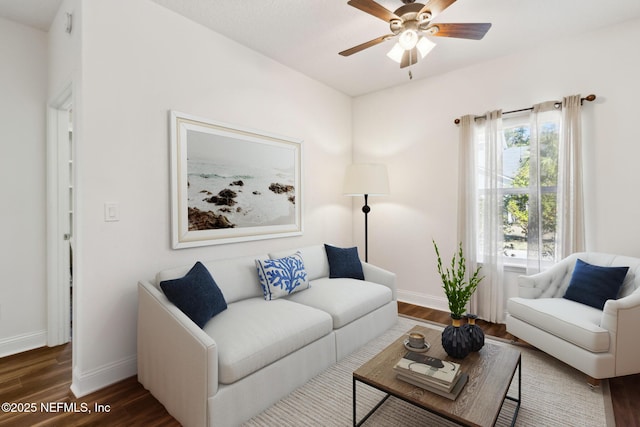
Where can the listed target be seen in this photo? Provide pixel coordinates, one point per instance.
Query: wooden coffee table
(490, 370)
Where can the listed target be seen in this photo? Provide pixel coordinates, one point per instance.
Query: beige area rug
(553, 394)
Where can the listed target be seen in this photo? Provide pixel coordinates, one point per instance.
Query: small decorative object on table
(416, 342)
(475, 332)
(455, 340)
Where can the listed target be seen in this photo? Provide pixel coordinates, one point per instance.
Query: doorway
(60, 218)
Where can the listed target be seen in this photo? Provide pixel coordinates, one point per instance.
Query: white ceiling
(34, 13)
(307, 35)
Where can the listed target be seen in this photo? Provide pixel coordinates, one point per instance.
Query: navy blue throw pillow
(593, 285)
(196, 294)
(344, 263)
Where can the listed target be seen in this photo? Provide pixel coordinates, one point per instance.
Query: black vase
(455, 340)
(475, 332)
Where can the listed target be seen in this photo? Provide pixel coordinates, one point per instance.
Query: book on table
(430, 369)
(452, 394)
(439, 376)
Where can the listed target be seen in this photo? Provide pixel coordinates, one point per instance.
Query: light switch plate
(111, 212)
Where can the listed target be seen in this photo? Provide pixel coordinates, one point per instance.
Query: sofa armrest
(621, 318)
(380, 276)
(177, 361)
(613, 306)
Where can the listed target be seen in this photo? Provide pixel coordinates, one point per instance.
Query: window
(527, 185)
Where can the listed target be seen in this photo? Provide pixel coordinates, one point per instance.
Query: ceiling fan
(411, 23)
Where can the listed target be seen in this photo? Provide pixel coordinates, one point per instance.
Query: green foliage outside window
(516, 206)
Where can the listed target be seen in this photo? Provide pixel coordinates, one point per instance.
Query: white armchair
(601, 343)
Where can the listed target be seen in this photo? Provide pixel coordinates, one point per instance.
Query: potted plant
(458, 291)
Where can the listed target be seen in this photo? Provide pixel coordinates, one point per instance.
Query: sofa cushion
(253, 333)
(282, 276)
(594, 285)
(344, 299)
(196, 294)
(315, 260)
(344, 263)
(572, 321)
(236, 277)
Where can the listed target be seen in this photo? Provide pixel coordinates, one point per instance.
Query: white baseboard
(424, 300)
(431, 302)
(84, 383)
(24, 342)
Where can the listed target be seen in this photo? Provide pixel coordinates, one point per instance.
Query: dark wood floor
(37, 384)
(43, 377)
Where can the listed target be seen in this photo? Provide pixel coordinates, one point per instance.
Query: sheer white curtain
(481, 157)
(541, 150)
(570, 227)
(467, 196)
(568, 195)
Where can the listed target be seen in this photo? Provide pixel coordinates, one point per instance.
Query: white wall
(411, 129)
(23, 82)
(139, 61)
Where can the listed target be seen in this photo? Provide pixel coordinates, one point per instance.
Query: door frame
(58, 294)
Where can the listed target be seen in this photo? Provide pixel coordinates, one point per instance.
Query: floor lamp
(366, 180)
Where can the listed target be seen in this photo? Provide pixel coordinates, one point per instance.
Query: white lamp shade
(424, 46)
(368, 179)
(396, 53)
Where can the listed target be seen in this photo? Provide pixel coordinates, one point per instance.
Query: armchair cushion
(593, 285)
(574, 322)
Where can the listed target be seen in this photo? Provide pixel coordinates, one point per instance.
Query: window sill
(519, 266)
(515, 268)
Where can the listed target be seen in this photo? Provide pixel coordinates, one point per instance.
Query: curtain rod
(589, 98)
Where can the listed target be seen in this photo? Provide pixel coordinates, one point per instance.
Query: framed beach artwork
(232, 184)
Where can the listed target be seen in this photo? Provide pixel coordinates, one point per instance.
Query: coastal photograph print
(232, 184)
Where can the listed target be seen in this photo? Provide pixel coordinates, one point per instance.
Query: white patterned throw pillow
(282, 276)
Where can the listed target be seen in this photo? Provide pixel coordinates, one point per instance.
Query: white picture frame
(232, 184)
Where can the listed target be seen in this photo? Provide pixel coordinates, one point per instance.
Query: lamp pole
(366, 180)
(366, 209)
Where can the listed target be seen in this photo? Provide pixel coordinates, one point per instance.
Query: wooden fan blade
(365, 45)
(460, 31)
(373, 8)
(409, 57)
(435, 7)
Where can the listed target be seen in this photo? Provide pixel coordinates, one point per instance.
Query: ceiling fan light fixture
(424, 46)
(396, 52)
(411, 24)
(408, 39)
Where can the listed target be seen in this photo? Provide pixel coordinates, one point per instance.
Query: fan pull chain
(410, 63)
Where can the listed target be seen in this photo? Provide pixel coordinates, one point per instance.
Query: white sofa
(600, 343)
(255, 352)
